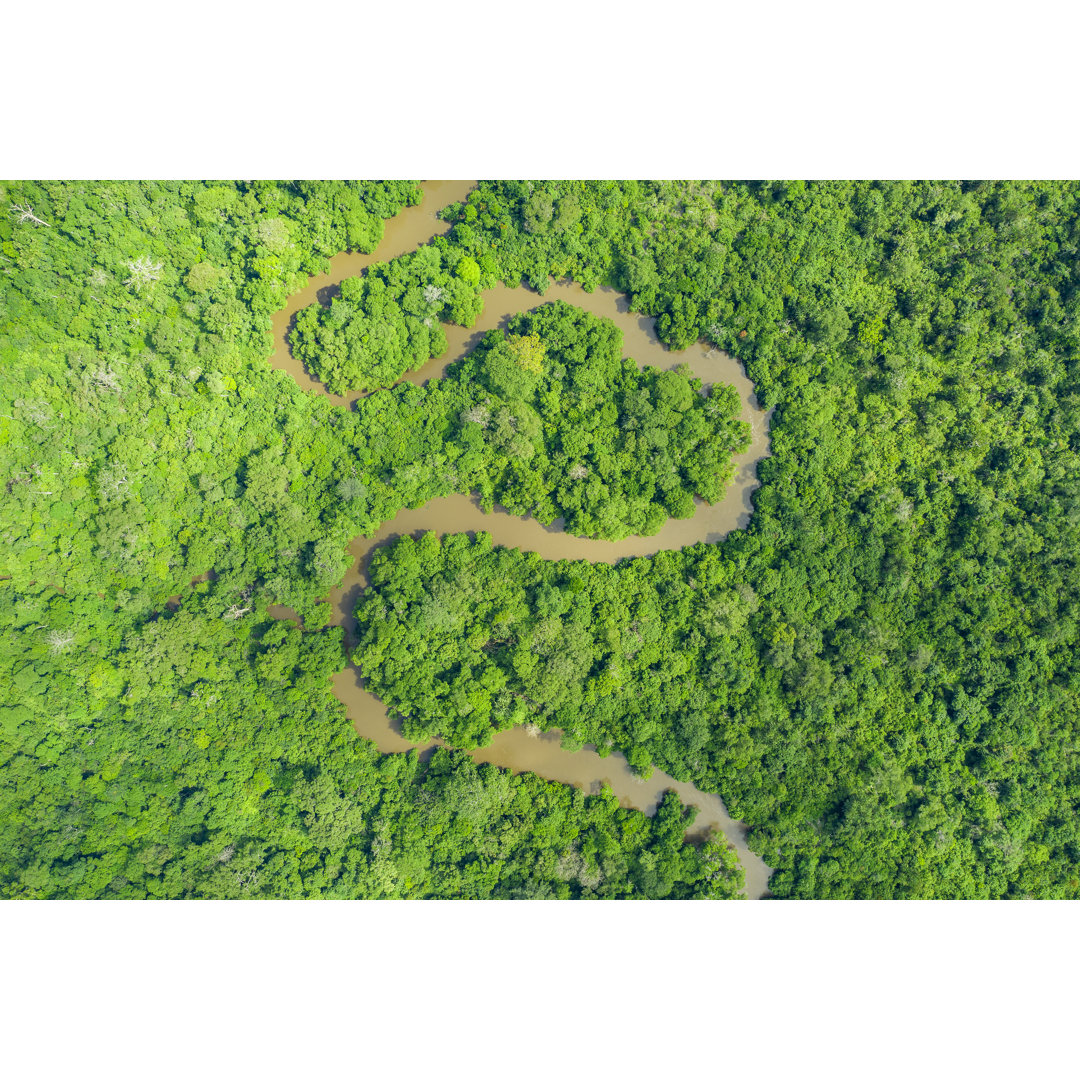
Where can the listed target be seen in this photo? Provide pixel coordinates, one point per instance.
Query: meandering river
(517, 749)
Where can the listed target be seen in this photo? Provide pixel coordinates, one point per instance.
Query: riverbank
(522, 749)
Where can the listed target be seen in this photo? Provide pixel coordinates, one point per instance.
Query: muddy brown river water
(518, 749)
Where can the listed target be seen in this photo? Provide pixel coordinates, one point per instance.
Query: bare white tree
(432, 294)
(37, 412)
(247, 881)
(105, 378)
(478, 414)
(26, 213)
(113, 481)
(236, 611)
(59, 641)
(578, 471)
(144, 272)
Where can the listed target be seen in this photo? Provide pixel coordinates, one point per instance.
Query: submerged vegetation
(879, 675)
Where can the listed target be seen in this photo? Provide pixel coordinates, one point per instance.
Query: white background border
(955, 90)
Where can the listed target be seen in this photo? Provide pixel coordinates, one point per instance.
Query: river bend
(521, 749)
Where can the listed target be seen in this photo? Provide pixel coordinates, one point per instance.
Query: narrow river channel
(517, 749)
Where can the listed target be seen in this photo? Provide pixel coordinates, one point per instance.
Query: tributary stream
(517, 749)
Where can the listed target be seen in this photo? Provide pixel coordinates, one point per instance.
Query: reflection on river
(517, 749)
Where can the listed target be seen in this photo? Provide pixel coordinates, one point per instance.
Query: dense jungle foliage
(161, 736)
(197, 755)
(559, 425)
(879, 675)
(386, 322)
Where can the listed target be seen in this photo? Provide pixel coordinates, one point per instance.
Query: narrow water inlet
(518, 749)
